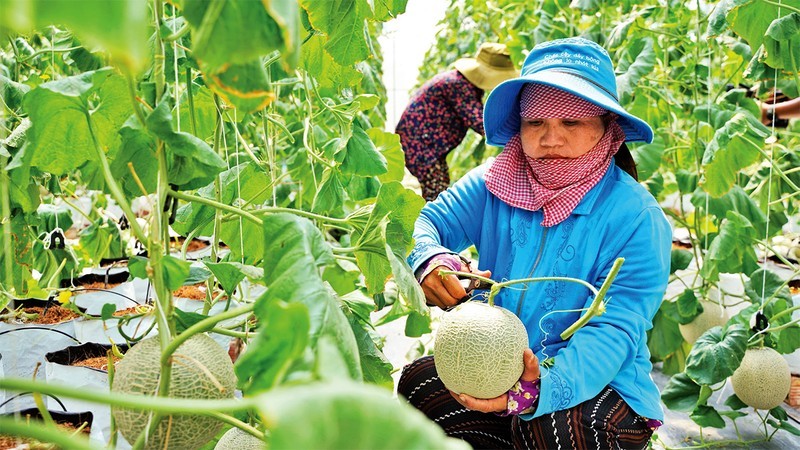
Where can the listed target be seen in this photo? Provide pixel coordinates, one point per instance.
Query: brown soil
(126, 311)
(194, 245)
(196, 292)
(13, 442)
(54, 314)
(95, 285)
(100, 362)
(680, 245)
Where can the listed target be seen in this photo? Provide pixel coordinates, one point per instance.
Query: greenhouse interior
(468, 224)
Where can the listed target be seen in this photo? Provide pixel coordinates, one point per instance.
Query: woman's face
(560, 138)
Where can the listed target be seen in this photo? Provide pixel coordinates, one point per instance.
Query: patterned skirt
(603, 422)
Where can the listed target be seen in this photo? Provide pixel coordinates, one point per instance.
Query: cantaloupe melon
(236, 439)
(478, 349)
(763, 378)
(713, 315)
(201, 369)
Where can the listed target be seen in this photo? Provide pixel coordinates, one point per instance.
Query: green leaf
(194, 164)
(679, 259)
(52, 217)
(330, 75)
(388, 144)
(388, 9)
(788, 340)
(101, 240)
(137, 148)
(343, 276)
(108, 311)
(282, 340)
(687, 181)
(294, 250)
(202, 108)
(681, 393)
(330, 194)
(343, 21)
(768, 283)
(782, 43)
(361, 156)
(376, 367)
(731, 251)
(665, 337)
(735, 146)
(184, 320)
(119, 27)
(648, 158)
(137, 266)
(347, 415)
(717, 354)
(12, 92)
(419, 322)
(60, 139)
(245, 181)
(689, 307)
(734, 200)
(229, 275)
(217, 30)
(751, 19)
(635, 62)
(395, 204)
(175, 271)
(733, 402)
(707, 416)
(245, 85)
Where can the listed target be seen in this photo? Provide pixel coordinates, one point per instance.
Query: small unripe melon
(236, 439)
(201, 369)
(713, 315)
(478, 349)
(763, 379)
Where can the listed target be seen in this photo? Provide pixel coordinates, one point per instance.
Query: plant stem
(597, 307)
(182, 31)
(214, 204)
(309, 215)
(139, 402)
(781, 5)
(7, 232)
(201, 326)
(44, 433)
(190, 98)
(233, 421)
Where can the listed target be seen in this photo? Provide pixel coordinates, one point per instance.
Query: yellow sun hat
(491, 66)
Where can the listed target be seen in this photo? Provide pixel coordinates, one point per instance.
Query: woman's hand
(500, 404)
(446, 292)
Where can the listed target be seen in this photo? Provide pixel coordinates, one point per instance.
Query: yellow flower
(513, 405)
(527, 395)
(64, 296)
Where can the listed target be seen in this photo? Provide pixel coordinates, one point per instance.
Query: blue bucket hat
(576, 65)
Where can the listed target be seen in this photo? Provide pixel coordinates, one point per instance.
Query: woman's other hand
(447, 291)
(499, 404)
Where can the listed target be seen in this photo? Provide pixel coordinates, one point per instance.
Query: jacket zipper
(535, 265)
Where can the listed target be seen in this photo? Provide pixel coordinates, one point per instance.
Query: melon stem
(597, 307)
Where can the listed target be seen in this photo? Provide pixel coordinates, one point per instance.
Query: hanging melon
(478, 349)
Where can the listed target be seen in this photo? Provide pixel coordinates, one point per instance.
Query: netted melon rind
(763, 379)
(138, 374)
(478, 349)
(236, 439)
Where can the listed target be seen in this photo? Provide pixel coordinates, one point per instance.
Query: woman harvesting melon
(561, 200)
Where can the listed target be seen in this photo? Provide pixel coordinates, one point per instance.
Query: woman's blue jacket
(616, 218)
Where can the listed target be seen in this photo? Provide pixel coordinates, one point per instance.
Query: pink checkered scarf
(556, 185)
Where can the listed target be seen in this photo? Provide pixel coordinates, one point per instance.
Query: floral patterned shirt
(438, 116)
